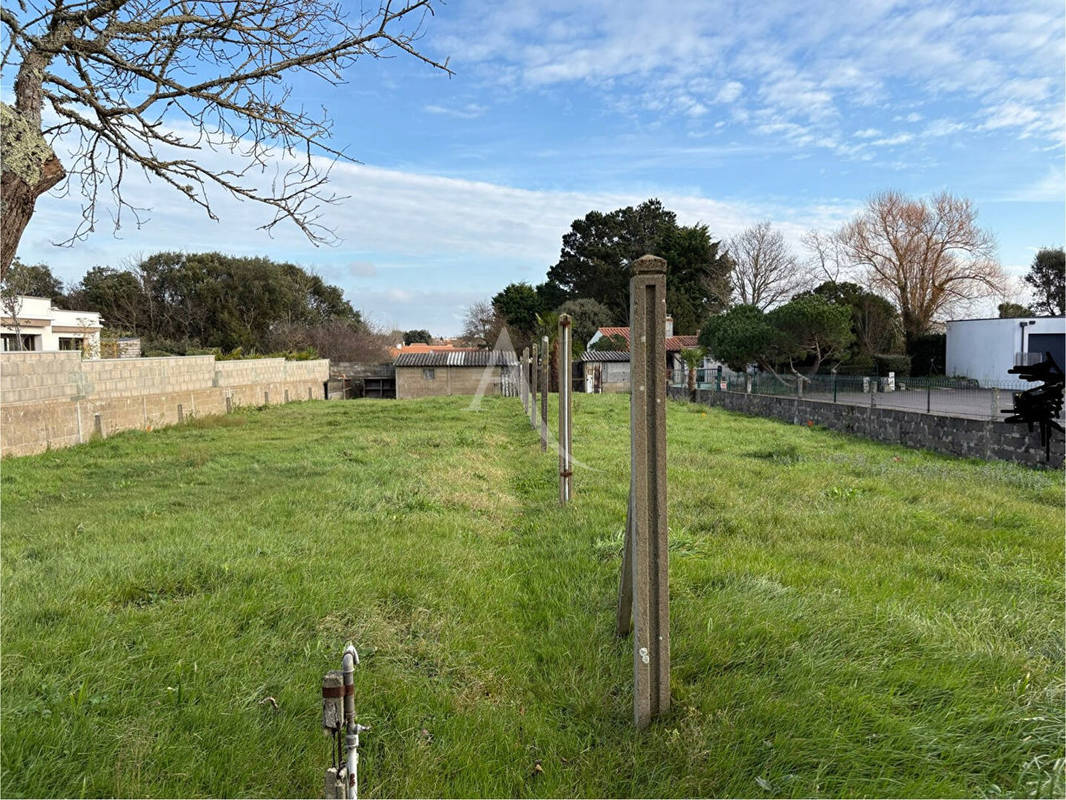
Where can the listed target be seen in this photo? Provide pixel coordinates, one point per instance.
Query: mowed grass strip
(847, 618)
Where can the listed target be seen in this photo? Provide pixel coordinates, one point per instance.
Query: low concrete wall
(50, 400)
(969, 438)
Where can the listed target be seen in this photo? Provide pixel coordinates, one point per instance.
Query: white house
(43, 327)
(986, 348)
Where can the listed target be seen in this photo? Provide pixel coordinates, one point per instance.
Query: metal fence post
(928, 395)
(545, 358)
(834, 386)
(565, 390)
(646, 548)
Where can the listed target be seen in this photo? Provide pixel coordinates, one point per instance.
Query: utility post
(644, 593)
(565, 416)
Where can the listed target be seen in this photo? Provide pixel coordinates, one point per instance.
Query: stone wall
(50, 400)
(969, 438)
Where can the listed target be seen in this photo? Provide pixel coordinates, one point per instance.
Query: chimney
(669, 326)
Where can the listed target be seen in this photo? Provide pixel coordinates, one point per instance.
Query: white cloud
(409, 232)
(468, 111)
(1051, 188)
(729, 92)
(892, 141)
(812, 64)
(867, 133)
(362, 269)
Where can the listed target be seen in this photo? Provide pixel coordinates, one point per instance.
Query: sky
(730, 112)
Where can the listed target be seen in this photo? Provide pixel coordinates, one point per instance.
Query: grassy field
(847, 618)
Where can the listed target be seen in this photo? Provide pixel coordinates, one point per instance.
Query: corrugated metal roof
(599, 356)
(457, 358)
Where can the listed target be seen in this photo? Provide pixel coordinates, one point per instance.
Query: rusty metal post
(566, 472)
(532, 372)
(545, 349)
(646, 555)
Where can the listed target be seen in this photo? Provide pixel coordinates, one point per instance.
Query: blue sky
(729, 112)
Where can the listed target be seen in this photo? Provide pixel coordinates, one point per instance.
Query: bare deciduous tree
(827, 260)
(765, 271)
(481, 325)
(152, 84)
(930, 256)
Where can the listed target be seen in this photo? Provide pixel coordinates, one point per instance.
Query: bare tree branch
(154, 83)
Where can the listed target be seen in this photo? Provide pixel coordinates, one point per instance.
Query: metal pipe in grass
(352, 728)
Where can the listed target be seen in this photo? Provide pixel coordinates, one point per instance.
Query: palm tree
(693, 357)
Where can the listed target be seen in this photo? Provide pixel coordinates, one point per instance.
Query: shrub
(892, 362)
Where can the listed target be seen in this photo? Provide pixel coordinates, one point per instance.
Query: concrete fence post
(523, 387)
(98, 425)
(181, 413)
(229, 402)
(286, 395)
(545, 357)
(646, 591)
(531, 370)
(565, 416)
(995, 402)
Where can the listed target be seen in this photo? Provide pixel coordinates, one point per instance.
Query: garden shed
(455, 372)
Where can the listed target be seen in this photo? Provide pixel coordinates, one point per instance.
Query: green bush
(892, 362)
(861, 364)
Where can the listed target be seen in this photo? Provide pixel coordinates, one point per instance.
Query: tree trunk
(29, 169)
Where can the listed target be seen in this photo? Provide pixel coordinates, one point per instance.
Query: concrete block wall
(39, 376)
(133, 377)
(52, 400)
(959, 436)
(249, 371)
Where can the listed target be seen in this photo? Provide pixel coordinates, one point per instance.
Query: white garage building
(986, 348)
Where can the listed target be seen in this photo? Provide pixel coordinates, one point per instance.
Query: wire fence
(937, 394)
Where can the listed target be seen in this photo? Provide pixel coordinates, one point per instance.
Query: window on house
(71, 343)
(11, 342)
(429, 374)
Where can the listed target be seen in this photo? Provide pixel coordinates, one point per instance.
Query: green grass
(847, 618)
